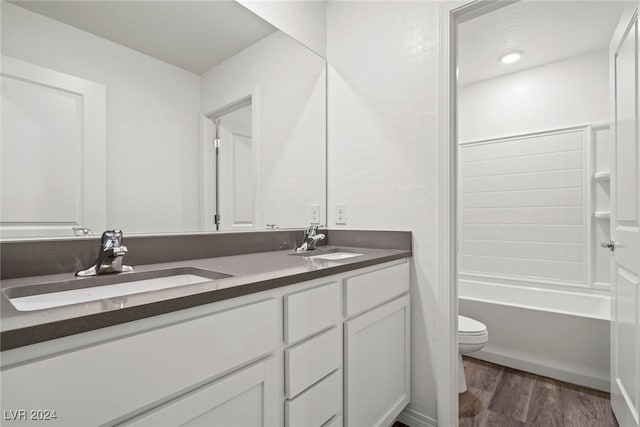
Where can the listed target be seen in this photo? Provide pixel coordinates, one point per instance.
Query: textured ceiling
(546, 31)
(194, 35)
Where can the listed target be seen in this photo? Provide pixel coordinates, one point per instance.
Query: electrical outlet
(315, 213)
(341, 213)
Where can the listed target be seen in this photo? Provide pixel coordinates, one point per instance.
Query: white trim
(206, 130)
(588, 203)
(534, 282)
(531, 134)
(451, 13)
(447, 321)
(601, 286)
(413, 418)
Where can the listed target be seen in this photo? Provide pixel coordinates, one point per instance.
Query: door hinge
(611, 245)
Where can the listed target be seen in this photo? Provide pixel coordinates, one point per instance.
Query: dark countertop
(251, 273)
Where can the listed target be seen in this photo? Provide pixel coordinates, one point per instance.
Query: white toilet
(472, 336)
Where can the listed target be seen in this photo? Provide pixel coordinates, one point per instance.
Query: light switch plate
(341, 213)
(314, 212)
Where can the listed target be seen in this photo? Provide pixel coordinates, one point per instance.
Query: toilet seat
(468, 326)
(470, 331)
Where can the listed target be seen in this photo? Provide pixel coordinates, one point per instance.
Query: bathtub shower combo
(532, 209)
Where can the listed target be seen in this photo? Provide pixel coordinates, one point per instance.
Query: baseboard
(544, 370)
(413, 418)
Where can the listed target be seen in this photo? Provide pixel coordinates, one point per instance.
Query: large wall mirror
(157, 117)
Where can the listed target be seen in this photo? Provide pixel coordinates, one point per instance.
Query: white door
(53, 152)
(625, 223)
(236, 180)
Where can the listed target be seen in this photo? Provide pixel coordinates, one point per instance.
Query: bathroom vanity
(285, 340)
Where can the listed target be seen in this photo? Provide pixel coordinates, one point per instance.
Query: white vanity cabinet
(329, 352)
(377, 347)
(111, 382)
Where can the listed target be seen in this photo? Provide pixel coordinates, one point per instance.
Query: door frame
(451, 14)
(207, 154)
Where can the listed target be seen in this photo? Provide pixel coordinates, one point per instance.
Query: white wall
(562, 94)
(152, 119)
(383, 147)
(290, 83)
(304, 20)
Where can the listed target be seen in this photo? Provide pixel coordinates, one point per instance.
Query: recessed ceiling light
(511, 57)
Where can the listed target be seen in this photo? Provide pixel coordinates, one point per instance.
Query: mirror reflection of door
(234, 198)
(52, 152)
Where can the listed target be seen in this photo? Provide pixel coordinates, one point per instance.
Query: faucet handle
(310, 231)
(111, 238)
(120, 250)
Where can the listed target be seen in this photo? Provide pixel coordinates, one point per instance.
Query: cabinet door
(377, 365)
(243, 399)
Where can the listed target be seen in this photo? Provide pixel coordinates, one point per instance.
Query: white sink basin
(334, 256)
(45, 296)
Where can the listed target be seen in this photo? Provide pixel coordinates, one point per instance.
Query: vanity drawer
(371, 289)
(310, 311)
(309, 361)
(139, 370)
(316, 406)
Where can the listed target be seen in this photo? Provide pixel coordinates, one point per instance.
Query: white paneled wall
(523, 208)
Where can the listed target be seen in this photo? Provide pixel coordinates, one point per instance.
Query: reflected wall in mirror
(109, 111)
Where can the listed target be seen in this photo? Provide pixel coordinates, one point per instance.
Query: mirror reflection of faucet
(311, 238)
(81, 231)
(110, 257)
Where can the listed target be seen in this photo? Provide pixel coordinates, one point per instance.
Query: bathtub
(555, 333)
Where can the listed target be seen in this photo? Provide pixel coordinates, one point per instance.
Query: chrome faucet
(311, 238)
(110, 257)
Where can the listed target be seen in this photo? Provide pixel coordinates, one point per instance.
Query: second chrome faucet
(110, 256)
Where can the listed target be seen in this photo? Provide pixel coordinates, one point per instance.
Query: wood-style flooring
(504, 397)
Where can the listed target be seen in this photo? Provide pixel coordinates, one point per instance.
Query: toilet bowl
(472, 336)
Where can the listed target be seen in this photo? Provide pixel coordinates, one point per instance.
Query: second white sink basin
(54, 295)
(334, 256)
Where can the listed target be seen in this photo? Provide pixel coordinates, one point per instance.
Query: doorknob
(611, 245)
